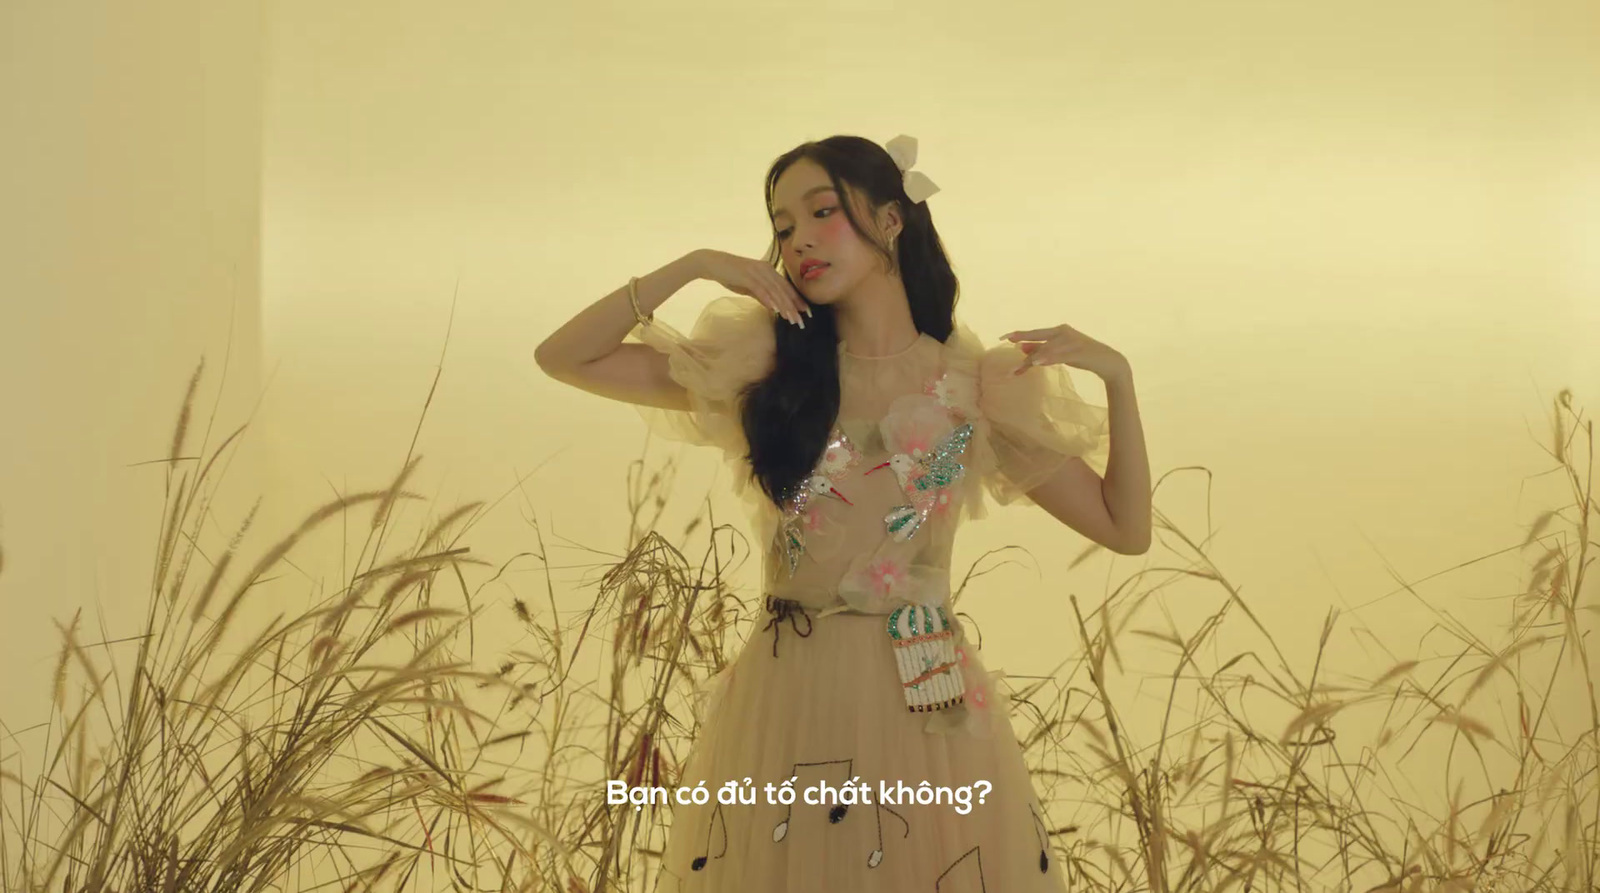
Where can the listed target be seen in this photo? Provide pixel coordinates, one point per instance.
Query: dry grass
(351, 744)
(227, 755)
(1225, 803)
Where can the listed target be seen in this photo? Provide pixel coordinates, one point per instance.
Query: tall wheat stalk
(351, 743)
(227, 755)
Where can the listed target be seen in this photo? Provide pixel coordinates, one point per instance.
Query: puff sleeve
(730, 346)
(1036, 422)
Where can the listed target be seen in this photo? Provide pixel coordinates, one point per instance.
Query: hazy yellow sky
(1349, 249)
(1343, 247)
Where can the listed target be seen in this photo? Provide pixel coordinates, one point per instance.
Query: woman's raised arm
(588, 351)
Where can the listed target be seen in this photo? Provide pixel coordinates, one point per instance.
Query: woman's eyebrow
(808, 193)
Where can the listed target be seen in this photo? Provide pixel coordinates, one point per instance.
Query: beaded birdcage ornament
(839, 455)
(925, 654)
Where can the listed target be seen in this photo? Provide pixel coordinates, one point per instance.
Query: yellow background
(1351, 250)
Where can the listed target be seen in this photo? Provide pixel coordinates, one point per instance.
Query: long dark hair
(788, 415)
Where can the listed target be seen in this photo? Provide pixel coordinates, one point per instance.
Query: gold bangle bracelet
(633, 298)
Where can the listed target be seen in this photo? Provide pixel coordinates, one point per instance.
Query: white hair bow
(903, 149)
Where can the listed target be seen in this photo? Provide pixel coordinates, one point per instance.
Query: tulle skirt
(829, 708)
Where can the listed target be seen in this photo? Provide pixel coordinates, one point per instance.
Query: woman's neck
(876, 320)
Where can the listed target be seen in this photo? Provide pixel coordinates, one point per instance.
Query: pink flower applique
(813, 520)
(942, 501)
(977, 695)
(961, 655)
(913, 423)
(886, 575)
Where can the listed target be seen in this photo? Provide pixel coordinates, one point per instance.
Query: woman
(873, 423)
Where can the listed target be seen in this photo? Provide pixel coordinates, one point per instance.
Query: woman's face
(809, 224)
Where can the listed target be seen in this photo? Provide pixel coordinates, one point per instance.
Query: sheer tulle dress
(862, 673)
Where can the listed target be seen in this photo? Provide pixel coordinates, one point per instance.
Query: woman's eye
(784, 234)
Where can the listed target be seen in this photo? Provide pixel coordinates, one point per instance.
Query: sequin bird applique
(839, 456)
(922, 477)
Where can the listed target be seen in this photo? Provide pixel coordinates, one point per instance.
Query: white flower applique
(839, 455)
(955, 391)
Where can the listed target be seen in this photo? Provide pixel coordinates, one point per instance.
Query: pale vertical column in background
(129, 234)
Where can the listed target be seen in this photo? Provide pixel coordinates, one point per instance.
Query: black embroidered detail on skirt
(783, 609)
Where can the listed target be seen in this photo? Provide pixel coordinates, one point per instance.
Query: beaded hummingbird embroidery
(839, 456)
(922, 478)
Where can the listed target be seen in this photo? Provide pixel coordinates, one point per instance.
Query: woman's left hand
(1064, 344)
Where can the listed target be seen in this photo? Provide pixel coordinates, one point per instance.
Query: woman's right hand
(756, 279)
